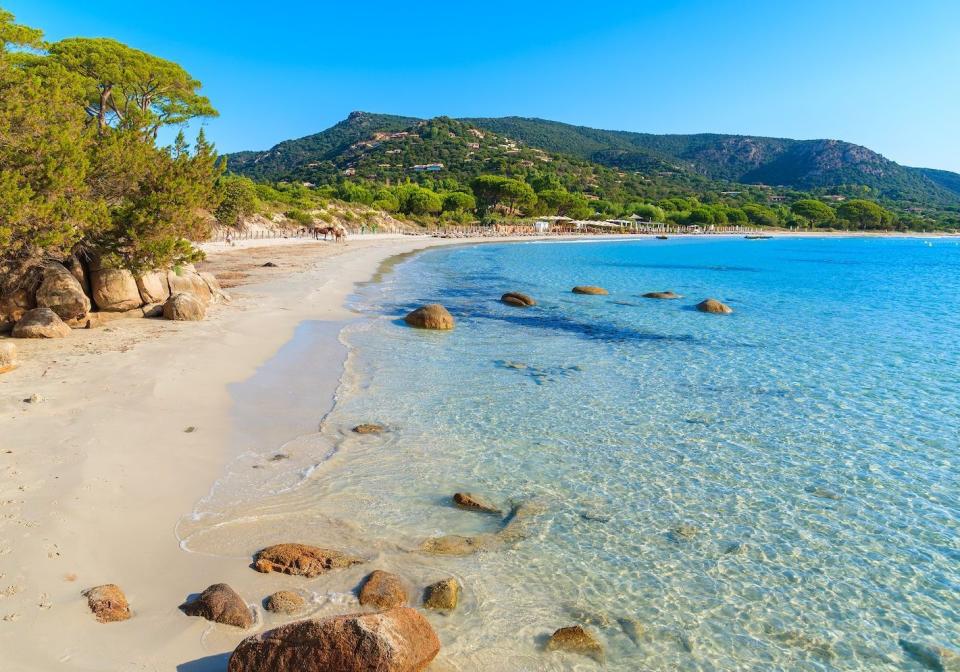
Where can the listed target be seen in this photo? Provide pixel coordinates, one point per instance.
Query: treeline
(80, 169)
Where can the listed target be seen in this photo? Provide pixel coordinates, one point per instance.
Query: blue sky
(883, 74)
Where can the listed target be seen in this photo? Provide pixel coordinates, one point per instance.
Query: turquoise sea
(776, 489)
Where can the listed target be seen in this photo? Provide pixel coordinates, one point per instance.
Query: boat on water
(758, 237)
(661, 237)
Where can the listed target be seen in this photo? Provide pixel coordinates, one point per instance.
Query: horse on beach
(338, 233)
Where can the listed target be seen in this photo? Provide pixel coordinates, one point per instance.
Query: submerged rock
(590, 289)
(518, 299)
(382, 590)
(684, 532)
(632, 628)
(369, 428)
(432, 316)
(471, 502)
(285, 602)
(442, 595)
(108, 603)
(8, 357)
(184, 307)
(398, 640)
(516, 528)
(41, 323)
(662, 295)
(714, 306)
(576, 640)
(823, 493)
(301, 560)
(221, 604)
(937, 658)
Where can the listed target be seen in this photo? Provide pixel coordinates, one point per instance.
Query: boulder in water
(518, 299)
(431, 316)
(8, 357)
(62, 293)
(936, 657)
(369, 428)
(442, 595)
(662, 295)
(590, 289)
(184, 307)
(714, 306)
(301, 560)
(397, 640)
(285, 602)
(108, 603)
(382, 590)
(576, 639)
(41, 323)
(471, 502)
(221, 604)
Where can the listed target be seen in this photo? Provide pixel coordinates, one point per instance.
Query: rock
(576, 640)
(518, 299)
(471, 502)
(661, 295)
(35, 399)
(933, 656)
(432, 316)
(382, 590)
(186, 280)
(77, 270)
(684, 532)
(13, 306)
(714, 306)
(301, 560)
(184, 307)
(590, 289)
(369, 428)
(8, 357)
(40, 323)
(221, 604)
(217, 295)
(455, 544)
(108, 603)
(153, 287)
(398, 640)
(443, 594)
(62, 293)
(632, 628)
(285, 602)
(269, 264)
(114, 290)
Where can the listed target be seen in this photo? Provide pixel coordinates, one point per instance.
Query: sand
(98, 471)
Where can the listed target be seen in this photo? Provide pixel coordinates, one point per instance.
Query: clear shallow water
(808, 442)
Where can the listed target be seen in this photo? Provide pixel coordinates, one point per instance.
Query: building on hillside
(428, 167)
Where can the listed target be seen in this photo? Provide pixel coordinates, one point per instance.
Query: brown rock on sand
(383, 590)
(114, 290)
(8, 357)
(398, 640)
(714, 306)
(108, 603)
(590, 289)
(443, 595)
(62, 293)
(13, 306)
(431, 316)
(518, 299)
(221, 604)
(184, 307)
(662, 295)
(41, 323)
(285, 602)
(153, 287)
(301, 560)
(576, 640)
(471, 502)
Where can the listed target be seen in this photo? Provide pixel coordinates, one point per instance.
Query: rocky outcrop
(590, 289)
(662, 295)
(186, 280)
(221, 604)
(8, 357)
(443, 595)
(714, 306)
(518, 299)
(301, 560)
(398, 640)
(114, 290)
(516, 529)
(41, 323)
(382, 590)
(108, 603)
(369, 428)
(217, 295)
(184, 308)
(13, 306)
(60, 291)
(471, 502)
(575, 639)
(431, 316)
(153, 287)
(285, 602)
